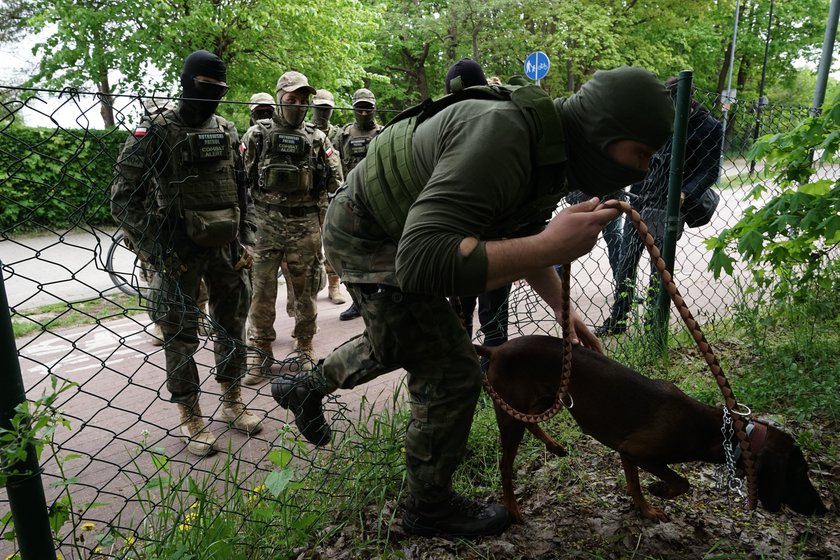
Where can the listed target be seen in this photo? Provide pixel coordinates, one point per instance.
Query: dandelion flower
(88, 526)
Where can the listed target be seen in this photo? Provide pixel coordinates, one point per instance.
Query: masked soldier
(262, 109)
(352, 142)
(188, 160)
(322, 108)
(293, 176)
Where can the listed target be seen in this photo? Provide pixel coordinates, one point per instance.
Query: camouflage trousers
(173, 306)
(423, 335)
(297, 240)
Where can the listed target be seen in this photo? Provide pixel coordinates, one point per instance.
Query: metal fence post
(27, 501)
(672, 218)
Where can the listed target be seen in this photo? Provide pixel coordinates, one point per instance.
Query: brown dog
(651, 423)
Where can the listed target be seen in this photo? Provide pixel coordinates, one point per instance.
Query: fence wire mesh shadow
(120, 471)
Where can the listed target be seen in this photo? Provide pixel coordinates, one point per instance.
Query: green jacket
(476, 163)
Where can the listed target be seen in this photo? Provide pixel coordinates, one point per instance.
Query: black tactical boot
(295, 393)
(351, 312)
(612, 327)
(455, 517)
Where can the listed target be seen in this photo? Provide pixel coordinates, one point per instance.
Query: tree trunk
(452, 39)
(106, 100)
(570, 76)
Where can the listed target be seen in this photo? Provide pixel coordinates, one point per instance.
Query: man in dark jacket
(702, 168)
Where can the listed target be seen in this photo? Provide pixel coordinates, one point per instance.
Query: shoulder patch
(140, 131)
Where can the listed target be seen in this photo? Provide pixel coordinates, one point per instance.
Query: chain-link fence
(117, 473)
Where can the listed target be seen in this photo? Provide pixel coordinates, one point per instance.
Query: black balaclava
(197, 105)
(463, 74)
(623, 104)
(261, 114)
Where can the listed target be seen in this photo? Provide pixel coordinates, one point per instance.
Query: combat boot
(335, 289)
(234, 411)
(350, 313)
(298, 394)
(305, 357)
(258, 363)
(455, 516)
(200, 441)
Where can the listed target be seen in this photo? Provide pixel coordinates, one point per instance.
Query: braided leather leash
(692, 326)
(566, 373)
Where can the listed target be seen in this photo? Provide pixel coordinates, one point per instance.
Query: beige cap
(364, 96)
(323, 97)
(261, 98)
(293, 81)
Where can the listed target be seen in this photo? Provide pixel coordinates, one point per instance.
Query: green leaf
(277, 480)
(817, 188)
(280, 457)
(751, 244)
(720, 261)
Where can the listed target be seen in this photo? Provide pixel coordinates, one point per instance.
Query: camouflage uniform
(293, 175)
(188, 162)
(323, 104)
(353, 138)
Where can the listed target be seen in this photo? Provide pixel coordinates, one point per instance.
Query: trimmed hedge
(56, 177)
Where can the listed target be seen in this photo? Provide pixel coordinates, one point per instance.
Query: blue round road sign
(537, 65)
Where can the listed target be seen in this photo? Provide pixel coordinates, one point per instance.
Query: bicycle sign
(537, 65)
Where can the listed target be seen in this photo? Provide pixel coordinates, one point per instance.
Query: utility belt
(293, 211)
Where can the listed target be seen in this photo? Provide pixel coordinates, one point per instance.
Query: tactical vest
(287, 163)
(354, 146)
(391, 183)
(199, 179)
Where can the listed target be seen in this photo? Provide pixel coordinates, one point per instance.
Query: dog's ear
(783, 476)
(770, 469)
(799, 493)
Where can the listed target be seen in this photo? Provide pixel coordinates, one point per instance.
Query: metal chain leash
(726, 472)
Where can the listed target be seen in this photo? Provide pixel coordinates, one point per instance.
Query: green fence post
(27, 501)
(672, 218)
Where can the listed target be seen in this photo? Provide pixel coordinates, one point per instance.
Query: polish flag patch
(140, 131)
(330, 151)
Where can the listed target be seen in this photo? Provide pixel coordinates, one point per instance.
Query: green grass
(62, 315)
(784, 359)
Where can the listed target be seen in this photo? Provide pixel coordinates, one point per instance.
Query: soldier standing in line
(188, 160)
(322, 108)
(262, 109)
(293, 173)
(352, 143)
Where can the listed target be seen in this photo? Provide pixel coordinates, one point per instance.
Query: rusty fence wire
(116, 473)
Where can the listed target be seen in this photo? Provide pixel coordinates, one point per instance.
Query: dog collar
(756, 434)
